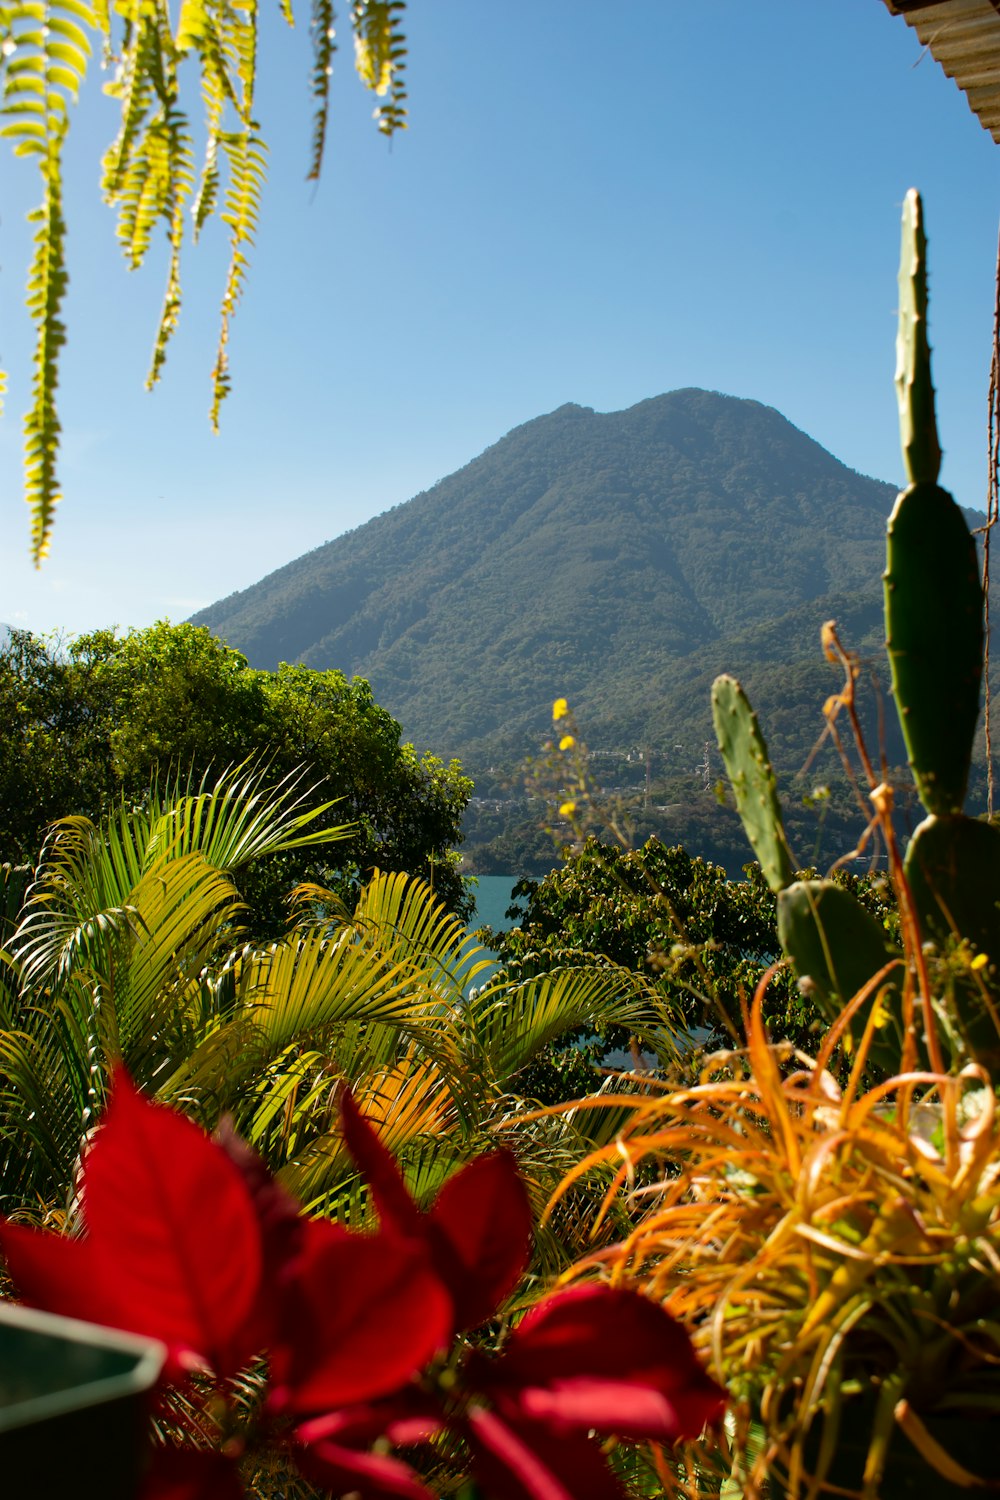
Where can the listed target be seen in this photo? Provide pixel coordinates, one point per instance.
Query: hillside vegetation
(618, 559)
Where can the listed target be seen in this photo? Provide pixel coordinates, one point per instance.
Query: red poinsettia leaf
(628, 1410)
(514, 1461)
(345, 1471)
(397, 1209)
(406, 1418)
(174, 1211)
(282, 1226)
(278, 1213)
(565, 1360)
(187, 1474)
(60, 1275)
(365, 1312)
(483, 1216)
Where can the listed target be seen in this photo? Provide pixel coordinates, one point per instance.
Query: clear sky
(596, 201)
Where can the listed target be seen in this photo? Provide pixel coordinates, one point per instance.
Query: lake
(493, 896)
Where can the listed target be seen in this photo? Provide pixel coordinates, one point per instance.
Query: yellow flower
(567, 742)
(567, 810)
(980, 961)
(880, 1014)
(847, 1043)
(560, 709)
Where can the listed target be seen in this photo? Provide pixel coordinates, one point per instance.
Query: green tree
(100, 721)
(703, 939)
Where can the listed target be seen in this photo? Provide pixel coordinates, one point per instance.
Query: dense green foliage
(131, 946)
(704, 939)
(98, 722)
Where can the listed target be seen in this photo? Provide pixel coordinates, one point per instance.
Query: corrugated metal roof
(964, 37)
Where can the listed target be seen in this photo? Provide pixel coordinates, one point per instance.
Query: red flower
(172, 1247)
(179, 1236)
(477, 1231)
(604, 1359)
(193, 1242)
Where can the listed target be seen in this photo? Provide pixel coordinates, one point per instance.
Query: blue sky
(595, 202)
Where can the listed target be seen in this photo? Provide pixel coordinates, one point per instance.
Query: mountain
(617, 559)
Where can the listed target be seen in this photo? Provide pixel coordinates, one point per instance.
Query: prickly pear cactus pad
(953, 867)
(836, 947)
(744, 752)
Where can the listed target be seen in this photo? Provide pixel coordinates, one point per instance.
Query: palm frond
(506, 1025)
(236, 818)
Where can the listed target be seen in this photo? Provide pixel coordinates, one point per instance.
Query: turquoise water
(492, 899)
(493, 896)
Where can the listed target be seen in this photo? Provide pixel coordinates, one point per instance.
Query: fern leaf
(134, 88)
(47, 281)
(192, 25)
(207, 195)
(43, 60)
(324, 45)
(380, 58)
(180, 179)
(247, 157)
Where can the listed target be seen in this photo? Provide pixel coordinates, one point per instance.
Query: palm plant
(119, 930)
(130, 949)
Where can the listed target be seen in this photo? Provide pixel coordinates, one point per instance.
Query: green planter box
(73, 1406)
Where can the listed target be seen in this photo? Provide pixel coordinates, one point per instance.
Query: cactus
(934, 637)
(914, 388)
(933, 600)
(835, 952)
(836, 947)
(934, 640)
(744, 753)
(953, 868)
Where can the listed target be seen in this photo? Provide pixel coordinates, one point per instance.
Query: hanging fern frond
(148, 173)
(45, 51)
(47, 282)
(247, 156)
(133, 87)
(324, 40)
(380, 58)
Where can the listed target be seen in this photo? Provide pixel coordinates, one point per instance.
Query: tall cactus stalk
(949, 886)
(933, 599)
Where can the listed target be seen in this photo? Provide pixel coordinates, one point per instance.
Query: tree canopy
(704, 939)
(96, 723)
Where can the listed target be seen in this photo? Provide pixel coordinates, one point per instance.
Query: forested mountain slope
(618, 559)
